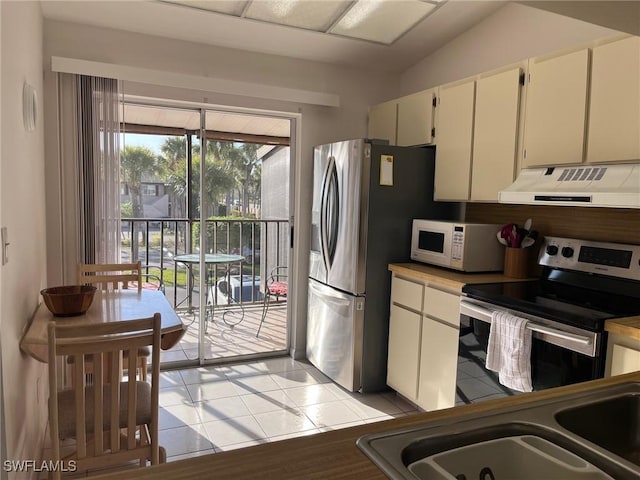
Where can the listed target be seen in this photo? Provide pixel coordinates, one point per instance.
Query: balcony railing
(157, 241)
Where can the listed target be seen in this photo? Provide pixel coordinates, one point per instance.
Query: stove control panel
(614, 259)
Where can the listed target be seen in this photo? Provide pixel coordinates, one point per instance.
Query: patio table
(211, 260)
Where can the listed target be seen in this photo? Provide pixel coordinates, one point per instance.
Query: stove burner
(577, 306)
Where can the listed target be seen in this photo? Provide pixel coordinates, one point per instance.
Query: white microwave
(469, 247)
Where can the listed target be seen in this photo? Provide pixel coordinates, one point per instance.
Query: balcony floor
(225, 342)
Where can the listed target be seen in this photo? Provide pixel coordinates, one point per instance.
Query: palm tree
(219, 180)
(134, 163)
(245, 167)
(173, 150)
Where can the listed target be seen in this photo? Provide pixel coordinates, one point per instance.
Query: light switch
(5, 245)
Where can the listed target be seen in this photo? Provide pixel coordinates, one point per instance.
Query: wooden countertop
(444, 276)
(629, 326)
(334, 454)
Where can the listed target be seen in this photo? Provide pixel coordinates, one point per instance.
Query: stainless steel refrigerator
(365, 196)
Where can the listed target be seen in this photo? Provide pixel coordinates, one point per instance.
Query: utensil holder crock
(516, 262)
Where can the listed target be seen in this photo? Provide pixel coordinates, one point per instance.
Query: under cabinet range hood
(616, 185)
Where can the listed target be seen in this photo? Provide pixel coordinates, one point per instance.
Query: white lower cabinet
(438, 365)
(423, 342)
(404, 349)
(623, 355)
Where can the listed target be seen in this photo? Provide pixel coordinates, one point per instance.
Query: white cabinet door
(454, 133)
(555, 115)
(383, 121)
(404, 351)
(495, 134)
(624, 360)
(407, 293)
(614, 108)
(438, 365)
(415, 118)
(442, 305)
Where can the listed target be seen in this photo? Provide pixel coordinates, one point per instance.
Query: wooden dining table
(107, 306)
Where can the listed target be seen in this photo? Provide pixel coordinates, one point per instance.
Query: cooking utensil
(527, 242)
(500, 239)
(508, 232)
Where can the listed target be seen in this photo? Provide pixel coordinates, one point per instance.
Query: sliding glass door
(205, 207)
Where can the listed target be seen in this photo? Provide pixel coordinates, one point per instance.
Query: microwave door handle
(484, 314)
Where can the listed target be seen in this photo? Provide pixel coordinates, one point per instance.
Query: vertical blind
(98, 107)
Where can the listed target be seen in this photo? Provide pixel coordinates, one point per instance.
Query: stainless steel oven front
(560, 354)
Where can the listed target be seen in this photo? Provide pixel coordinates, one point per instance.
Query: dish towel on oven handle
(509, 351)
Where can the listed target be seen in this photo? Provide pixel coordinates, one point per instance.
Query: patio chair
(112, 422)
(115, 276)
(276, 286)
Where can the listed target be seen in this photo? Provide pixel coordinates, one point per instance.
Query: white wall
(357, 90)
(22, 210)
(513, 33)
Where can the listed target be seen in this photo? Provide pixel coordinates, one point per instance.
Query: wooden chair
(277, 286)
(111, 276)
(116, 276)
(112, 422)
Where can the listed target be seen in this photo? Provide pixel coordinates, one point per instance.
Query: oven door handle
(483, 314)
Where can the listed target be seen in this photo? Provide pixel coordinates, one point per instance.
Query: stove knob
(552, 250)
(567, 252)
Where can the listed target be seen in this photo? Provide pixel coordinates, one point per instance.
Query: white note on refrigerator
(386, 170)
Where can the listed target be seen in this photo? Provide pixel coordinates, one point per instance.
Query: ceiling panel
(229, 7)
(381, 21)
(316, 15)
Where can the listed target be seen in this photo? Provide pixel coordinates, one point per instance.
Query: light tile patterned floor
(213, 409)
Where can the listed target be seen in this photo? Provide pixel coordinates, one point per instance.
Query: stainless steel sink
(523, 457)
(613, 424)
(582, 435)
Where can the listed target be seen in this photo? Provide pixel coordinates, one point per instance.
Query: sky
(153, 142)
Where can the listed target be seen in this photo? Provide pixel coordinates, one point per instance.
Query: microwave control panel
(457, 244)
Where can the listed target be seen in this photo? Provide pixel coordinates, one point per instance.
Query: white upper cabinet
(556, 108)
(454, 137)
(614, 107)
(495, 135)
(383, 121)
(415, 118)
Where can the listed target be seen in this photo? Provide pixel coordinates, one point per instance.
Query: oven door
(560, 354)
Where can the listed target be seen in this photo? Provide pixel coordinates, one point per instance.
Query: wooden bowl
(68, 300)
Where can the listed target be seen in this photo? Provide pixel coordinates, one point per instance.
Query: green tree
(135, 162)
(219, 180)
(174, 149)
(174, 157)
(126, 210)
(244, 165)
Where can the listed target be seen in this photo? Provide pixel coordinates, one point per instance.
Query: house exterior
(29, 165)
(155, 198)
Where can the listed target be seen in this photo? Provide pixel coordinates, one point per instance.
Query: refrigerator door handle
(329, 213)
